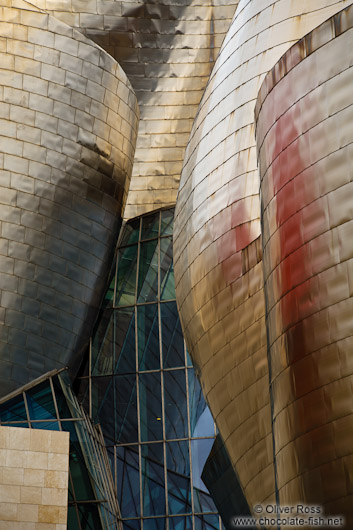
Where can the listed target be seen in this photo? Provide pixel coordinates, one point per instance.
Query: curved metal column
(217, 246)
(305, 144)
(67, 139)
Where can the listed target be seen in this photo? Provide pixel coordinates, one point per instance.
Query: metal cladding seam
(68, 120)
(217, 235)
(305, 147)
(167, 48)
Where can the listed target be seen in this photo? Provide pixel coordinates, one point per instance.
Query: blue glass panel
(167, 222)
(102, 345)
(167, 270)
(188, 359)
(150, 226)
(148, 272)
(176, 417)
(125, 357)
(128, 481)
(131, 233)
(207, 522)
(148, 337)
(150, 407)
(179, 487)
(13, 410)
(200, 450)
(172, 337)
(201, 422)
(132, 525)
(159, 523)
(126, 276)
(46, 425)
(103, 405)
(180, 523)
(40, 402)
(125, 408)
(153, 491)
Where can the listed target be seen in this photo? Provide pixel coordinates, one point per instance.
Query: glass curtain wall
(141, 387)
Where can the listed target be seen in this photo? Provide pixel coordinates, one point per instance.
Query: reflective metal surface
(167, 49)
(68, 130)
(217, 240)
(305, 146)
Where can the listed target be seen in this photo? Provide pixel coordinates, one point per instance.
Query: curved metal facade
(217, 236)
(67, 140)
(305, 141)
(167, 49)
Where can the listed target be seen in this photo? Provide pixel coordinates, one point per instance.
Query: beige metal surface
(305, 143)
(167, 49)
(217, 249)
(68, 122)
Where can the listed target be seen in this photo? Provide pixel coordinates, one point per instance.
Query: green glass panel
(148, 337)
(150, 406)
(153, 481)
(125, 358)
(109, 294)
(89, 517)
(40, 402)
(150, 226)
(131, 233)
(126, 276)
(172, 337)
(167, 222)
(148, 272)
(167, 270)
(72, 521)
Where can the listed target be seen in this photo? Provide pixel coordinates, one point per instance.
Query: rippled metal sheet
(167, 49)
(305, 143)
(218, 269)
(68, 121)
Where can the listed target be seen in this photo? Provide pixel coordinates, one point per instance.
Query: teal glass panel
(131, 233)
(126, 276)
(207, 522)
(180, 523)
(153, 481)
(150, 407)
(201, 422)
(172, 337)
(148, 272)
(46, 425)
(167, 270)
(40, 402)
(132, 524)
(148, 337)
(200, 450)
(103, 405)
(175, 402)
(128, 482)
(150, 226)
(14, 410)
(125, 358)
(108, 299)
(167, 222)
(102, 345)
(89, 517)
(179, 484)
(159, 523)
(72, 518)
(125, 409)
(63, 409)
(188, 359)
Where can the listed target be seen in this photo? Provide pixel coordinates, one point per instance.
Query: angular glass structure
(141, 387)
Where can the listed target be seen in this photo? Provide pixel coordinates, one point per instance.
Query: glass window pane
(125, 358)
(102, 345)
(148, 272)
(150, 407)
(126, 276)
(103, 404)
(109, 294)
(89, 517)
(167, 270)
(131, 233)
(153, 479)
(207, 522)
(46, 425)
(13, 410)
(172, 337)
(159, 523)
(128, 481)
(176, 418)
(40, 402)
(150, 226)
(188, 359)
(200, 450)
(167, 222)
(201, 422)
(180, 523)
(179, 484)
(125, 408)
(148, 337)
(132, 525)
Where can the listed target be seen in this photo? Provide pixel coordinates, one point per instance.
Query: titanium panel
(167, 49)
(305, 145)
(68, 131)
(217, 235)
